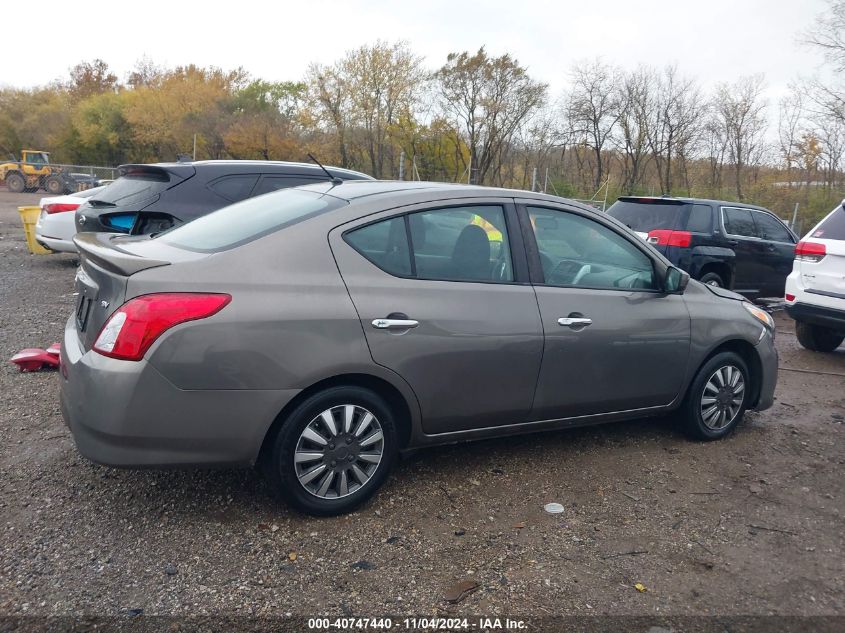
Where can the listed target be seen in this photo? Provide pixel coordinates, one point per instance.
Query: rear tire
(15, 183)
(817, 338)
(320, 478)
(712, 279)
(717, 398)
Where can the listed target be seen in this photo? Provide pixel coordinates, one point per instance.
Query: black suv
(738, 246)
(153, 198)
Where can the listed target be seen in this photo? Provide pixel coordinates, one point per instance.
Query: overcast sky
(716, 40)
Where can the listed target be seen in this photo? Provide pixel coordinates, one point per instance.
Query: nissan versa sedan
(318, 332)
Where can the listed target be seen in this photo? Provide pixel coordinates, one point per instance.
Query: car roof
(680, 199)
(356, 189)
(248, 166)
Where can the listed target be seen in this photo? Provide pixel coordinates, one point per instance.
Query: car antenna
(334, 179)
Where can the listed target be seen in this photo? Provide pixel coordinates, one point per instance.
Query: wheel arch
(397, 402)
(720, 268)
(748, 353)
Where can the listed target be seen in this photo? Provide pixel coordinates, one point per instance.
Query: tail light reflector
(665, 237)
(60, 207)
(135, 326)
(810, 251)
(789, 297)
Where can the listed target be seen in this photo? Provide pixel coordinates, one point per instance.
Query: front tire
(712, 279)
(817, 338)
(717, 398)
(333, 452)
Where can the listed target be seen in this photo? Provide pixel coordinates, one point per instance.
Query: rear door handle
(574, 322)
(394, 324)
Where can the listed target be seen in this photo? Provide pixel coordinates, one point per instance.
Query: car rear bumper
(817, 315)
(124, 413)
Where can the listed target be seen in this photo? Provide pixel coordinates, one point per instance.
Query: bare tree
(489, 99)
(790, 116)
(740, 110)
(593, 108)
(631, 139)
(677, 113)
(364, 96)
(828, 34)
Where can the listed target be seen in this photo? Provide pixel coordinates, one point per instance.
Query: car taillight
(789, 297)
(135, 325)
(60, 207)
(810, 251)
(665, 237)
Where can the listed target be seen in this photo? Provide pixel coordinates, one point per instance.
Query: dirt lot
(749, 525)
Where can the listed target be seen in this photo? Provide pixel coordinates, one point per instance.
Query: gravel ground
(749, 525)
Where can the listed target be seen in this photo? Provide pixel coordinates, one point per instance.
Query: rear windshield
(132, 188)
(833, 226)
(250, 219)
(646, 216)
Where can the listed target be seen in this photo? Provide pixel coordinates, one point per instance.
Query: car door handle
(574, 322)
(394, 324)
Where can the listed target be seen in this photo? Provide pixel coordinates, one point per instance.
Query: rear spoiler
(98, 248)
(174, 173)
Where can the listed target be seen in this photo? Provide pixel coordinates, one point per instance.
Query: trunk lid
(107, 261)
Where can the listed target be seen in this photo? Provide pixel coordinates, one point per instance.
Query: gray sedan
(318, 332)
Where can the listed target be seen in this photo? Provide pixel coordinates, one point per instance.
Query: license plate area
(83, 308)
(87, 291)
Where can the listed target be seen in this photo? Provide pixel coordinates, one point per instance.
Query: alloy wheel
(722, 397)
(339, 451)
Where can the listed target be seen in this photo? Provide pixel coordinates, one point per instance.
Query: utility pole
(402, 165)
(794, 217)
(534, 179)
(546, 181)
(195, 146)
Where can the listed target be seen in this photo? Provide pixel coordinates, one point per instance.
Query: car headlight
(760, 315)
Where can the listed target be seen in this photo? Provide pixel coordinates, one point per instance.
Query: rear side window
(134, 186)
(771, 229)
(385, 244)
(452, 244)
(832, 227)
(646, 216)
(739, 222)
(248, 220)
(700, 219)
(274, 183)
(234, 188)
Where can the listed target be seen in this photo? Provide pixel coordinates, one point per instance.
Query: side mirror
(675, 281)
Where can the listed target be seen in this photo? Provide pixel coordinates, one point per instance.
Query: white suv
(815, 290)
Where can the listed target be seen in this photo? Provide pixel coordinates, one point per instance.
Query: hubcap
(713, 282)
(722, 397)
(339, 451)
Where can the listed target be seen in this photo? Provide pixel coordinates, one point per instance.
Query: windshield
(646, 216)
(250, 219)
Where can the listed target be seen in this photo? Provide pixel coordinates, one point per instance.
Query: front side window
(577, 251)
(739, 222)
(453, 244)
(771, 229)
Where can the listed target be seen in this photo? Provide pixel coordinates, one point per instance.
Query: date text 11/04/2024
(416, 624)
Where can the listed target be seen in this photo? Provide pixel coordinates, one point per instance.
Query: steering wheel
(569, 271)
